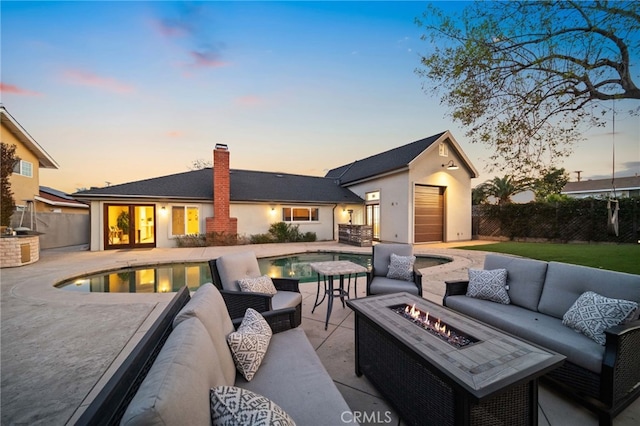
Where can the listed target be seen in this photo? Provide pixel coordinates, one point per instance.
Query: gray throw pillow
(489, 284)
(592, 313)
(249, 343)
(401, 267)
(236, 406)
(262, 284)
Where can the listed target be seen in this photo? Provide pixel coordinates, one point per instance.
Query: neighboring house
(604, 188)
(415, 183)
(25, 181)
(62, 220)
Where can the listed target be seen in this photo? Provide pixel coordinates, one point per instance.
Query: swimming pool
(172, 276)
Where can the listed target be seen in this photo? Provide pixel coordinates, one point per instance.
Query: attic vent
(279, 176)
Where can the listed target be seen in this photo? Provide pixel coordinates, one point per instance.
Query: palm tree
(502, 188)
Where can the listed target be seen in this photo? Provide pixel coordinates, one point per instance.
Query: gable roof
(599, 185)
(44, 160)
(245, 186)
(395, 159)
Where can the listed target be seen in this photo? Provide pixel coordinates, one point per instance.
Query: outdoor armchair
(228, 269)
(378, 281)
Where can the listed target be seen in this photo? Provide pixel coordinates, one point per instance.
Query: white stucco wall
(427, 170)
(397, 196)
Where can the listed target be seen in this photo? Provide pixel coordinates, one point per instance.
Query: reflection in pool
(171, 277)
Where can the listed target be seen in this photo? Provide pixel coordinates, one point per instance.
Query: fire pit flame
(435, 327)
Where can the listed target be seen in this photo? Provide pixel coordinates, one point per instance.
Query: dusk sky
(122, 91)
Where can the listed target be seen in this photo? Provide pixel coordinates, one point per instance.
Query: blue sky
(122, 91)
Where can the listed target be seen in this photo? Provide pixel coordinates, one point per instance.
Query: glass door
(373, 219)
(129, 226)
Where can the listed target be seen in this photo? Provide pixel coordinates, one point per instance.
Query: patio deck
(57, 346)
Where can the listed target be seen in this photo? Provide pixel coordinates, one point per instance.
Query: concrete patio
(57, 347)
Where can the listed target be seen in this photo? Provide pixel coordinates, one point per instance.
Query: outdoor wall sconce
(163, 210)
(451, 165)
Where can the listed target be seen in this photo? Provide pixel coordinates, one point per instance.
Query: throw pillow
(236, 406)
(401, 267)
(262, 284)
(489, 284)
(592, 313)
(249, 343)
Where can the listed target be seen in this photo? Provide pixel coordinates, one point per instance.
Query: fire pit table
(436, 366)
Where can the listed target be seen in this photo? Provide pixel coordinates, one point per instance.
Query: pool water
(172, 276)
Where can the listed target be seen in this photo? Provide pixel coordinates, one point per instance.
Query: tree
(8, 161)
(521, 76)
(551, 183)
(200, 164)
(503, 188)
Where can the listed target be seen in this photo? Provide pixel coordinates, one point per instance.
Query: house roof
(44, 159)
(54, 197)
(245, 186)
(392, 160)
(600, 185)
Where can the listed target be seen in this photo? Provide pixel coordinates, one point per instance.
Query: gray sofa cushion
(292, 376)
(538, 328)
(236, 266)
(382, 256)
(565, 283)
(208, 306)
(381, 285)
(286, 299)
(176, 389)
(525, 278)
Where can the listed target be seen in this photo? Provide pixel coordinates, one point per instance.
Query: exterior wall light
(451, 165)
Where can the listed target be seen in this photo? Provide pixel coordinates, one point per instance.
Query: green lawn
(623, 257)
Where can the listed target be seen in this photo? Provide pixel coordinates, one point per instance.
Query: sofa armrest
(286, 284)
(455, 288)
(279, 319)
(620, 376)
(237, 302)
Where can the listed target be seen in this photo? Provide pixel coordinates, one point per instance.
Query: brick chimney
(221, 222)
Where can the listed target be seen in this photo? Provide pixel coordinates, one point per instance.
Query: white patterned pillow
(489, 284)
(236, 406)
(593, 313)
(249, 343)
(401, 267)
(262, 284)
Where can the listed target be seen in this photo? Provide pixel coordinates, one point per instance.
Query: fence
(570, 220)
(59, 229)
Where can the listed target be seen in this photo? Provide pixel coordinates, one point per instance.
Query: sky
(122, 91)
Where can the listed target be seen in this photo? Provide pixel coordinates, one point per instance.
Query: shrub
(261, 239)
(191, 240)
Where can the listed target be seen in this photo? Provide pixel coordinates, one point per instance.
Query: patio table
(329, 270)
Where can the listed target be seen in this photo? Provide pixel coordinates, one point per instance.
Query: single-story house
(420, 192)
(604, 188)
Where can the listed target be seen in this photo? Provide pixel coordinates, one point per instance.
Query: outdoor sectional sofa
(605, 379)
(168, 376)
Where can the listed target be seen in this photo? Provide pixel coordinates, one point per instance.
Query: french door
(129, 226)
(373, 219)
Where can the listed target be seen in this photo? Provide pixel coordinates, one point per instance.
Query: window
(23, 168)
(185, 220)
(443, 150)
(300, 214)
(372, 196)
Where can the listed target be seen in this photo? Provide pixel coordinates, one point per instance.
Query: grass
(614, 257)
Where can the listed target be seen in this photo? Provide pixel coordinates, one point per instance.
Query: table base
(422, 394)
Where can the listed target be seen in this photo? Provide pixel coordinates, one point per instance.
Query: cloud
(15, 90)
(84, 78)
(206, 59)
(191, 27)
(175, 134)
